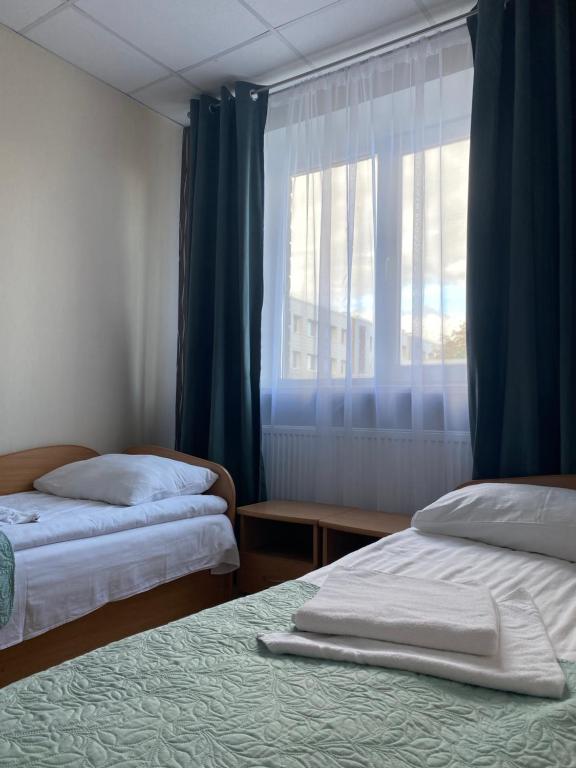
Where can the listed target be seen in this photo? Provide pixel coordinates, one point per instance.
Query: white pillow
(533, 518)
(125, 479)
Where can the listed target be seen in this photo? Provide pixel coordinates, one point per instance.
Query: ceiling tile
(341, 23)
(170, 97)
(81, 42)
(178, 32)
(19, 13)
(247, 63)
(278, 12)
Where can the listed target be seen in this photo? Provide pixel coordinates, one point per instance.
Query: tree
(454, 347)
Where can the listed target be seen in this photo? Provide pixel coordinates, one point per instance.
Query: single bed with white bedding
(88, 572)
(203, 692)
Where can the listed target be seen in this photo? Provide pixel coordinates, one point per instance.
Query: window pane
(341, 260)
(433, 269)
(305, 218)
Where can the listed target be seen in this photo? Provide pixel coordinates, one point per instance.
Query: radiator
(394, 471)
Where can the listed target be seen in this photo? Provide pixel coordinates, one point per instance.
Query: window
(444, 172)
(364, 239)
(331, 189)
(296, 359)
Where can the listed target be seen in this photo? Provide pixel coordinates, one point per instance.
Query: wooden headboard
(223, 487)
(556, 481)
(19, 470)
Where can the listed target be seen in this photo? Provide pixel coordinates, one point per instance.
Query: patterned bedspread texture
(200, 692)
(6, 579)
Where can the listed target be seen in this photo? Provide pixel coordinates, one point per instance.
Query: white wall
(89, 200)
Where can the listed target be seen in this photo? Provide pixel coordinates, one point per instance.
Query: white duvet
(82, 555)
(70, 519)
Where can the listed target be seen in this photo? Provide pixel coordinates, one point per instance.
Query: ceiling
(164, 52)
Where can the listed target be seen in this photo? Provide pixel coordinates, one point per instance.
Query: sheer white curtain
(364, 393)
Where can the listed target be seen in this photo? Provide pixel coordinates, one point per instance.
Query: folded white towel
(10, 516)
(525, 661)
(400, 609)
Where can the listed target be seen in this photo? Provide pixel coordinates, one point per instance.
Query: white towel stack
(400, 609)
(440, 628)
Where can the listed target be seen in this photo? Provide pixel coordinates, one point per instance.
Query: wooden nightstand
(282, 540)
(346, 530)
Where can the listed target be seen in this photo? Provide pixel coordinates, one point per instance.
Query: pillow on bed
(532, 518)
(125, 479)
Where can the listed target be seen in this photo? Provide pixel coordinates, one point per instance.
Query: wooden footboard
(114, 621)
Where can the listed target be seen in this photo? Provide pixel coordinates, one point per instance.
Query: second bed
(88, 572)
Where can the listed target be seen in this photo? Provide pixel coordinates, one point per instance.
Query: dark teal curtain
(521, 290)
(221, 285)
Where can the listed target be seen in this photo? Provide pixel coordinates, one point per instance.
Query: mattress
(59, 578)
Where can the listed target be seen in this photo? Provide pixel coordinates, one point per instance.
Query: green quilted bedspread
(200, 692)
(6, 579)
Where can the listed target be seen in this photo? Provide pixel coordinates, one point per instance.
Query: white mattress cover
(550, 582)
(63, 519)
(59, 582)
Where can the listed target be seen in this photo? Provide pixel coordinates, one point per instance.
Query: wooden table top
(365, 521)
(351, 519)
(291, 511)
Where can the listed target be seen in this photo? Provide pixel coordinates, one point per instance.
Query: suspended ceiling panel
(165, 52)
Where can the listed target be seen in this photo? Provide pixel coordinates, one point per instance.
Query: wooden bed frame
(554, 481)
(122, 618)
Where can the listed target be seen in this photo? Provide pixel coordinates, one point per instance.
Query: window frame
(386, 348)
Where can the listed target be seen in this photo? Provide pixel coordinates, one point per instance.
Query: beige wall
(89, 196)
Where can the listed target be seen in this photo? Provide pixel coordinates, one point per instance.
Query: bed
(202, 692)
(92, 573)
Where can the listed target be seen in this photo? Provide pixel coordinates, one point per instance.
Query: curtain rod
(281, 85)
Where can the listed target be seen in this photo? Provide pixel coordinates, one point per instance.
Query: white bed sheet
(550, 582)
(63, 519)
(59, 582)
